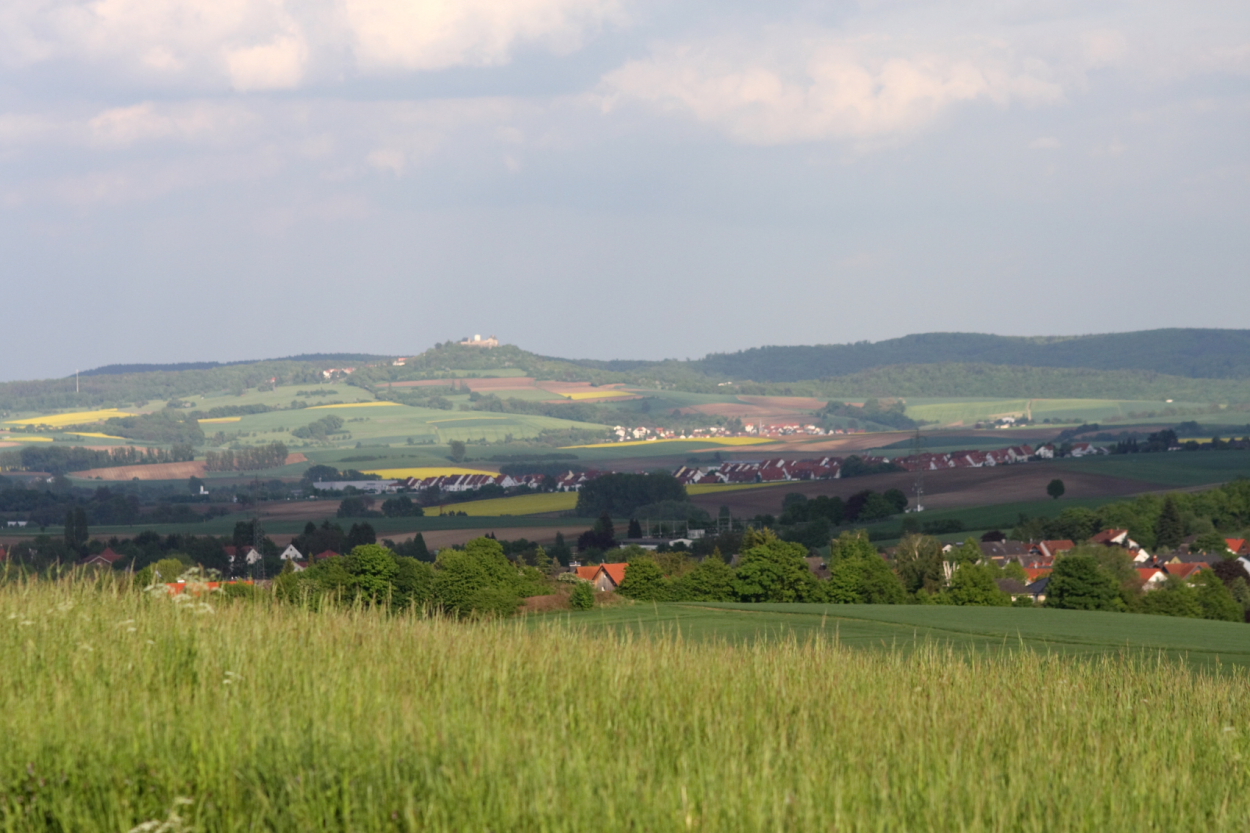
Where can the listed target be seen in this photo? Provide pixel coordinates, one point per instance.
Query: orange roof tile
(588, 573)
(616, 572)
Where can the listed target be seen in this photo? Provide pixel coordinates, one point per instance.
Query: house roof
(326, 554)
(1147, 573)
(1035, 573)
(588, 573)
(1015, 587)
(1235, 545)
(1109, 536)
(1038, 587)
(1185, 571)
(1056, 547)
(616, 572)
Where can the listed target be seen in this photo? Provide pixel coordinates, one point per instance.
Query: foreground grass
(118, 709)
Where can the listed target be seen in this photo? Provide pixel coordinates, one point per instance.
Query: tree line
(256, 458)
(59, 459)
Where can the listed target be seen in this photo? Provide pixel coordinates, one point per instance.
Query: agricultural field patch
(426, 471)
(979, 630)
(536, 504)
(727, 441)
(951, 411)
(71, 418)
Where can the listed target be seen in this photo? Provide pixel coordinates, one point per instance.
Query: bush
(582, 597)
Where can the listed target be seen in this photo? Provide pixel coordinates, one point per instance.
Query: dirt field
(943, 490)
(161, 471)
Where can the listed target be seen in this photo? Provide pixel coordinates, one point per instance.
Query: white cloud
(435, 34)
(251, 45)
(796, 87)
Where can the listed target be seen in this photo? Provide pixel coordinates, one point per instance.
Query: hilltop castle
(478, 341)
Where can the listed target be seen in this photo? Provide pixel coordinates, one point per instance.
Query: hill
(1193, 353)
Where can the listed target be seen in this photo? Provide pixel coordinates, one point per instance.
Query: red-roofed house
(1237, 546)
(325, 554)
(1050, 549)
(1186, 571)
(1035, 573)
(604, 577)
(1151, 577)
(102, 559)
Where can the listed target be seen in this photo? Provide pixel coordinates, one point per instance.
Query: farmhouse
(604, 577)
(102, 559)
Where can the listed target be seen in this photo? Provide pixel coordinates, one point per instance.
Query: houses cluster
(1038, 559)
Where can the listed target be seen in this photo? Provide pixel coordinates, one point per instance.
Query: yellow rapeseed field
(596, 394)
(75, 418)
(94, 434)
(426, 471)
(218, 419)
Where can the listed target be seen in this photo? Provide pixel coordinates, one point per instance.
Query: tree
(1055, 488)
(361, 533)
(711, 581)
(1215, 599)
(1170, 527)
(1079, 583)
(478, 578)
(859, 575)
(774, 571)
(1174, 598)
(918, 560)
(76, 530)
(457, 450)
(372, 568)
(582, 597)
(401, 507)
(601, 537)
(973, 585)
(644, 581)
(1212, 543)
(413, 583)
(622, 494)
(635, 529)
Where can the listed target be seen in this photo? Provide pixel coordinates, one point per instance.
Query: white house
(291, 554)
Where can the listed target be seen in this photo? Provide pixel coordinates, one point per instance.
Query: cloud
(256, 45)
(436, 34)
(798, 87)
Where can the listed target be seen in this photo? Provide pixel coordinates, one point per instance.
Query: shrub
(582, 597)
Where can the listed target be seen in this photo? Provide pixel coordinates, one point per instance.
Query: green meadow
(122, 710)
(912, 627)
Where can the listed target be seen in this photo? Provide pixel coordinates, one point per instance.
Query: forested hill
(1193, 353)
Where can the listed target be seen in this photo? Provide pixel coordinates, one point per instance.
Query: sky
(193, 180)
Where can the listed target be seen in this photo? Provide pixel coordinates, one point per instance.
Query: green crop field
(122, 710)
(1178, 468)
(977, 629)
(395, 424)
(950, 410)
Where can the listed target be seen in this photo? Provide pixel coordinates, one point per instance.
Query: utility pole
(917, 449)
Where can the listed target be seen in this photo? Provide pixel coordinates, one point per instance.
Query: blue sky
(194, 180)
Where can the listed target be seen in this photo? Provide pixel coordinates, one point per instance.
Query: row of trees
(60, 460)
(259, 457)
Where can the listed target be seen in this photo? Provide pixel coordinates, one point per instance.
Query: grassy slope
(966, 628)
(121, 710)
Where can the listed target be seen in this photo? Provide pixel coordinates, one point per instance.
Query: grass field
(1069, 632)
(1178, 468)
(967, 411)
(119, 709)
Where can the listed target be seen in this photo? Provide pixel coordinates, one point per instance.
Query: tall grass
(118, 709)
